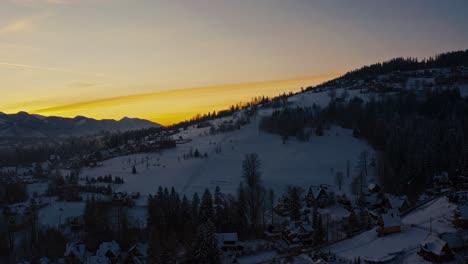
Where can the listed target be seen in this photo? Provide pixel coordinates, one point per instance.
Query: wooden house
(75, 253)
(228, 242)
(434, 249)
(389, 223)
(396, 202)
(137, 254)
(110, 251)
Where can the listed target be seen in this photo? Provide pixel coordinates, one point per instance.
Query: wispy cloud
(17, 26)
(35, 2)
(45, 68)
(22, 24)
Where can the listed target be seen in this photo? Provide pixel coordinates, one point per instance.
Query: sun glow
(169, 107)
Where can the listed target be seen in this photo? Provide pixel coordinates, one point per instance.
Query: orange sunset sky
(168, 60)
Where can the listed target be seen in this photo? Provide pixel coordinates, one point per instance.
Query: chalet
(228, 242)
(298, 233)
(456, 241)
(281, 208)
(389, 223)
(17, 217)
(460, 216)
(319, 195)
(75, 253)
(137, 254)
(373, 188)
(396, 202)
(108, 250)
(120, 197)
(434, 249)
(273, 232)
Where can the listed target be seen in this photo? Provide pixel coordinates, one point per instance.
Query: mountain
(24, 125)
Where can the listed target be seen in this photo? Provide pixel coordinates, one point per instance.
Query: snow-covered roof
(433, 244)
(391, 218)
(78, 249)
(105, 247)
(226, 237)
(396, 201)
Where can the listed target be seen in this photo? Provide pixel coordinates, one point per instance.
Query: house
(319, 195)
(373, 188)
(434, 249)
(137, 254)
(273, 232)
(460, 216)
(396, 202)
(456, 241)
(110, 251)
(75, 253)
(228, 242)
(389, 223)
(281, 208)
(298, 233)
(18, 216)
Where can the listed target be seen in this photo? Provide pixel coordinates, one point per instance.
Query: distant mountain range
(24, 125)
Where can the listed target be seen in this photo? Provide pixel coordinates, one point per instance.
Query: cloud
(17, 26)
(22, 24)
(45, 68)
(36, 2)
(82, 84)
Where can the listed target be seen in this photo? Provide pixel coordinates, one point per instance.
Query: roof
(223, 237)
(396, 201)
(391, 218)
(77, 248)
(434, 245)
(105, 247)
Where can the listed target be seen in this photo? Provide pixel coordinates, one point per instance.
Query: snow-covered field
(416, 227)
(295, 163)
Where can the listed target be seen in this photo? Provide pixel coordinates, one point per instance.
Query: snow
(416, 227)
(295, 163)
(263, 257)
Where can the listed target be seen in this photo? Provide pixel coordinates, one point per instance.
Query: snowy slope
(296, 163)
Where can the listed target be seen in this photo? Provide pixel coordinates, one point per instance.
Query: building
(319, 195)
(108, 252)
(434, 249)
(75, 253)
(389, 223)
(396, 202)
(137, 254)
(228, 242)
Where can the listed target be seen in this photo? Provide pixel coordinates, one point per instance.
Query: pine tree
(219, 208)
(195, 208)
(206, 207)
(205, 248)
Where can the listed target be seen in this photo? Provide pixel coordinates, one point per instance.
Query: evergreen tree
(205, 249)
(206, 207)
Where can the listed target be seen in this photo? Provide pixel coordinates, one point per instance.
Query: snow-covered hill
(294, 163)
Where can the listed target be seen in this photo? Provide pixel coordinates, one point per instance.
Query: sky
(167, 60)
